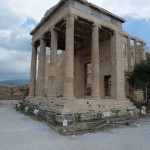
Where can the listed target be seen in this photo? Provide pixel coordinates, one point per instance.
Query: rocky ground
(20, 132)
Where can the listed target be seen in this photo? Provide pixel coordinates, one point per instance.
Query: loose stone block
(18, 105)
(122, 113)
(36, 111)
(106, 114)
(113, 114)
(143, 110)
(131, 113)
(136, 111)
(60, 118)
(31, 109)
(26, 109)
(41, 113)
(65, 123)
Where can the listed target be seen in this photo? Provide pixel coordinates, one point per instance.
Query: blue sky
(18, 18)
(138, 28)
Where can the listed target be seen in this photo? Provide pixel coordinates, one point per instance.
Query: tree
(139, 77)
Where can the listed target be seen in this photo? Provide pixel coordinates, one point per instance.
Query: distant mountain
(16, 82)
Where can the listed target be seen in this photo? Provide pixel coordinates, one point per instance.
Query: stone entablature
(85, 10)
(84, 6)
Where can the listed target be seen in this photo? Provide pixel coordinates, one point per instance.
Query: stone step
(61, 105)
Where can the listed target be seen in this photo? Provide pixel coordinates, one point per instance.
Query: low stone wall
(13, 92)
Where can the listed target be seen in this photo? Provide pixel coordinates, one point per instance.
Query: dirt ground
(20, 132)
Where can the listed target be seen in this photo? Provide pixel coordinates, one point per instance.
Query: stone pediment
(49, 11)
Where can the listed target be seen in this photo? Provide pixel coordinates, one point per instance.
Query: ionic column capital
(128, 37)
(71, 16)
(143, 44)
(117, 32)
(128, 40)
(135, 40)
(53, 28)
(96, 25)
(42, 38)
(34, 44)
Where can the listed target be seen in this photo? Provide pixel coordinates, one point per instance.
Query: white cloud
(136, 9)
(9, 58)
(10, 18)
(15, 40)
(36, 8)
(31, 8)
(13, 64)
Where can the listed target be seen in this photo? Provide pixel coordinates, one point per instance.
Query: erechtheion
(88, 76)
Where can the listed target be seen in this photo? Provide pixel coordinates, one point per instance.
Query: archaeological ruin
(13, 92)
(85, 71)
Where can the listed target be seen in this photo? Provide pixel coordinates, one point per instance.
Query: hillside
(16, 82)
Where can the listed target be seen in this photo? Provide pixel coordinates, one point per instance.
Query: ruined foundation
(85, 118)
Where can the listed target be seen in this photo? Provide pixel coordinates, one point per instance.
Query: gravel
(20, 132)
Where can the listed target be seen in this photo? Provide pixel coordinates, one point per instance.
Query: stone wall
(13, 92)
(60, 74)
(137, 54)
(84, 56)
(81, 58)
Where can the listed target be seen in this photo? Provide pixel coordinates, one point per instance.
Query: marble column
(69, 58)
(135, 49)
(140, 53)
(95, 62)
(143, 51)
(33, 71)
(41, 68)
(53, 64)
(117, 69)
(129, 53)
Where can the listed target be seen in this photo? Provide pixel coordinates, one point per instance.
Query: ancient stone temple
(88, 76)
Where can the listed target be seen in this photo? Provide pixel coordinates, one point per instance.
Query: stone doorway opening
(107, 85)
(87, 77)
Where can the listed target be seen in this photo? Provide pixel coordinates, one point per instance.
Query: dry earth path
(20, 132)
